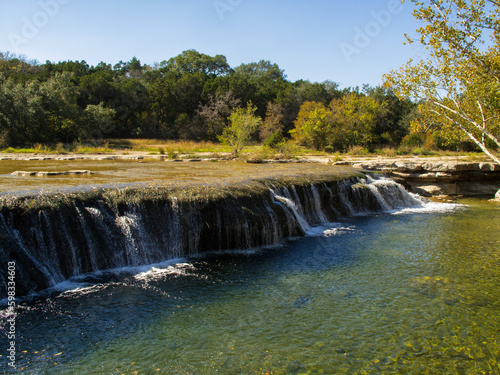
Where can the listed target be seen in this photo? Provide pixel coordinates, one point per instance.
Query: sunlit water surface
(406, 293)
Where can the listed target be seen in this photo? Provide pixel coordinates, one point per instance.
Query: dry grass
(124, 145)
(174, 149)
(166, 146)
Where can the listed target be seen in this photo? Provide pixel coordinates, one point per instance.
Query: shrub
(403, 150)
(273, 140)
(287, 150)
(329, 149)
(413, 140)
(358, 150)
(60, 149)
(420, 151)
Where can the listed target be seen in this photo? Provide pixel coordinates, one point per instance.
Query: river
(411, 291)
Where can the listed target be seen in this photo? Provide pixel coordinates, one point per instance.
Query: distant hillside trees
(191, 96)
(368, 120)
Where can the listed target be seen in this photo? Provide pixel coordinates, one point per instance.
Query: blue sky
(349, 42)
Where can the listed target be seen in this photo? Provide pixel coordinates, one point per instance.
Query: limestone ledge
(427, 168)
(432, 178)
(85, 157)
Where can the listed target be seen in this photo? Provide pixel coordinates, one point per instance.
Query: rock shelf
(432, 178)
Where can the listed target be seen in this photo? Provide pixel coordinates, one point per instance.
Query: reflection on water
(403, 293)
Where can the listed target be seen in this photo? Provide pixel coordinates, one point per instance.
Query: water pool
(408, 292)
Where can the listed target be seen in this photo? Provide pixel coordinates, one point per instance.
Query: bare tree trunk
(471, 136)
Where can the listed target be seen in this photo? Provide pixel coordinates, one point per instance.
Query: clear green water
(388, 294)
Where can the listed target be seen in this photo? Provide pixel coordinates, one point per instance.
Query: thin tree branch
(471, 136)
(484, 120)
(469, 120)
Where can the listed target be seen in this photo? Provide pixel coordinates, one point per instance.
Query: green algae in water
(392, 294)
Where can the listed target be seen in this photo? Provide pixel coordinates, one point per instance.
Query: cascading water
(106, 231)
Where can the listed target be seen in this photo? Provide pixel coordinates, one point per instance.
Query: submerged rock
(497, 197)
(49, 173)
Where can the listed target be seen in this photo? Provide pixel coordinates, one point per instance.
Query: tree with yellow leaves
(313, 126)
(459, 82)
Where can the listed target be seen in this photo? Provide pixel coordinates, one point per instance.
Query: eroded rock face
(431, 178)
(408, 167)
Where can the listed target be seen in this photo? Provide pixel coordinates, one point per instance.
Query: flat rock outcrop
(441, 177)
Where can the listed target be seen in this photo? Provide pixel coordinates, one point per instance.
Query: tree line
(449, 100)
(191, 96)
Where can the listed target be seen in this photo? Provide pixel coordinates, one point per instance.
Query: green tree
(314, 126)
(460, 81)
(97, 121)
(191, 62)
(131, 105)
(258, 82)
(244, 123)
(98, 87)
(314, 92)
(393, 119)
(22, 115)
(61, 110)
(357, 115)
(163, 105)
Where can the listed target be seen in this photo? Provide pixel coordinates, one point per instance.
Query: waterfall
(297, 211)
(80, 233)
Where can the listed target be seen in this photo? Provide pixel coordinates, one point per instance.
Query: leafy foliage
(352, 120)
(244, 123)
(314, 125)
(459, 83)
(191, 96)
